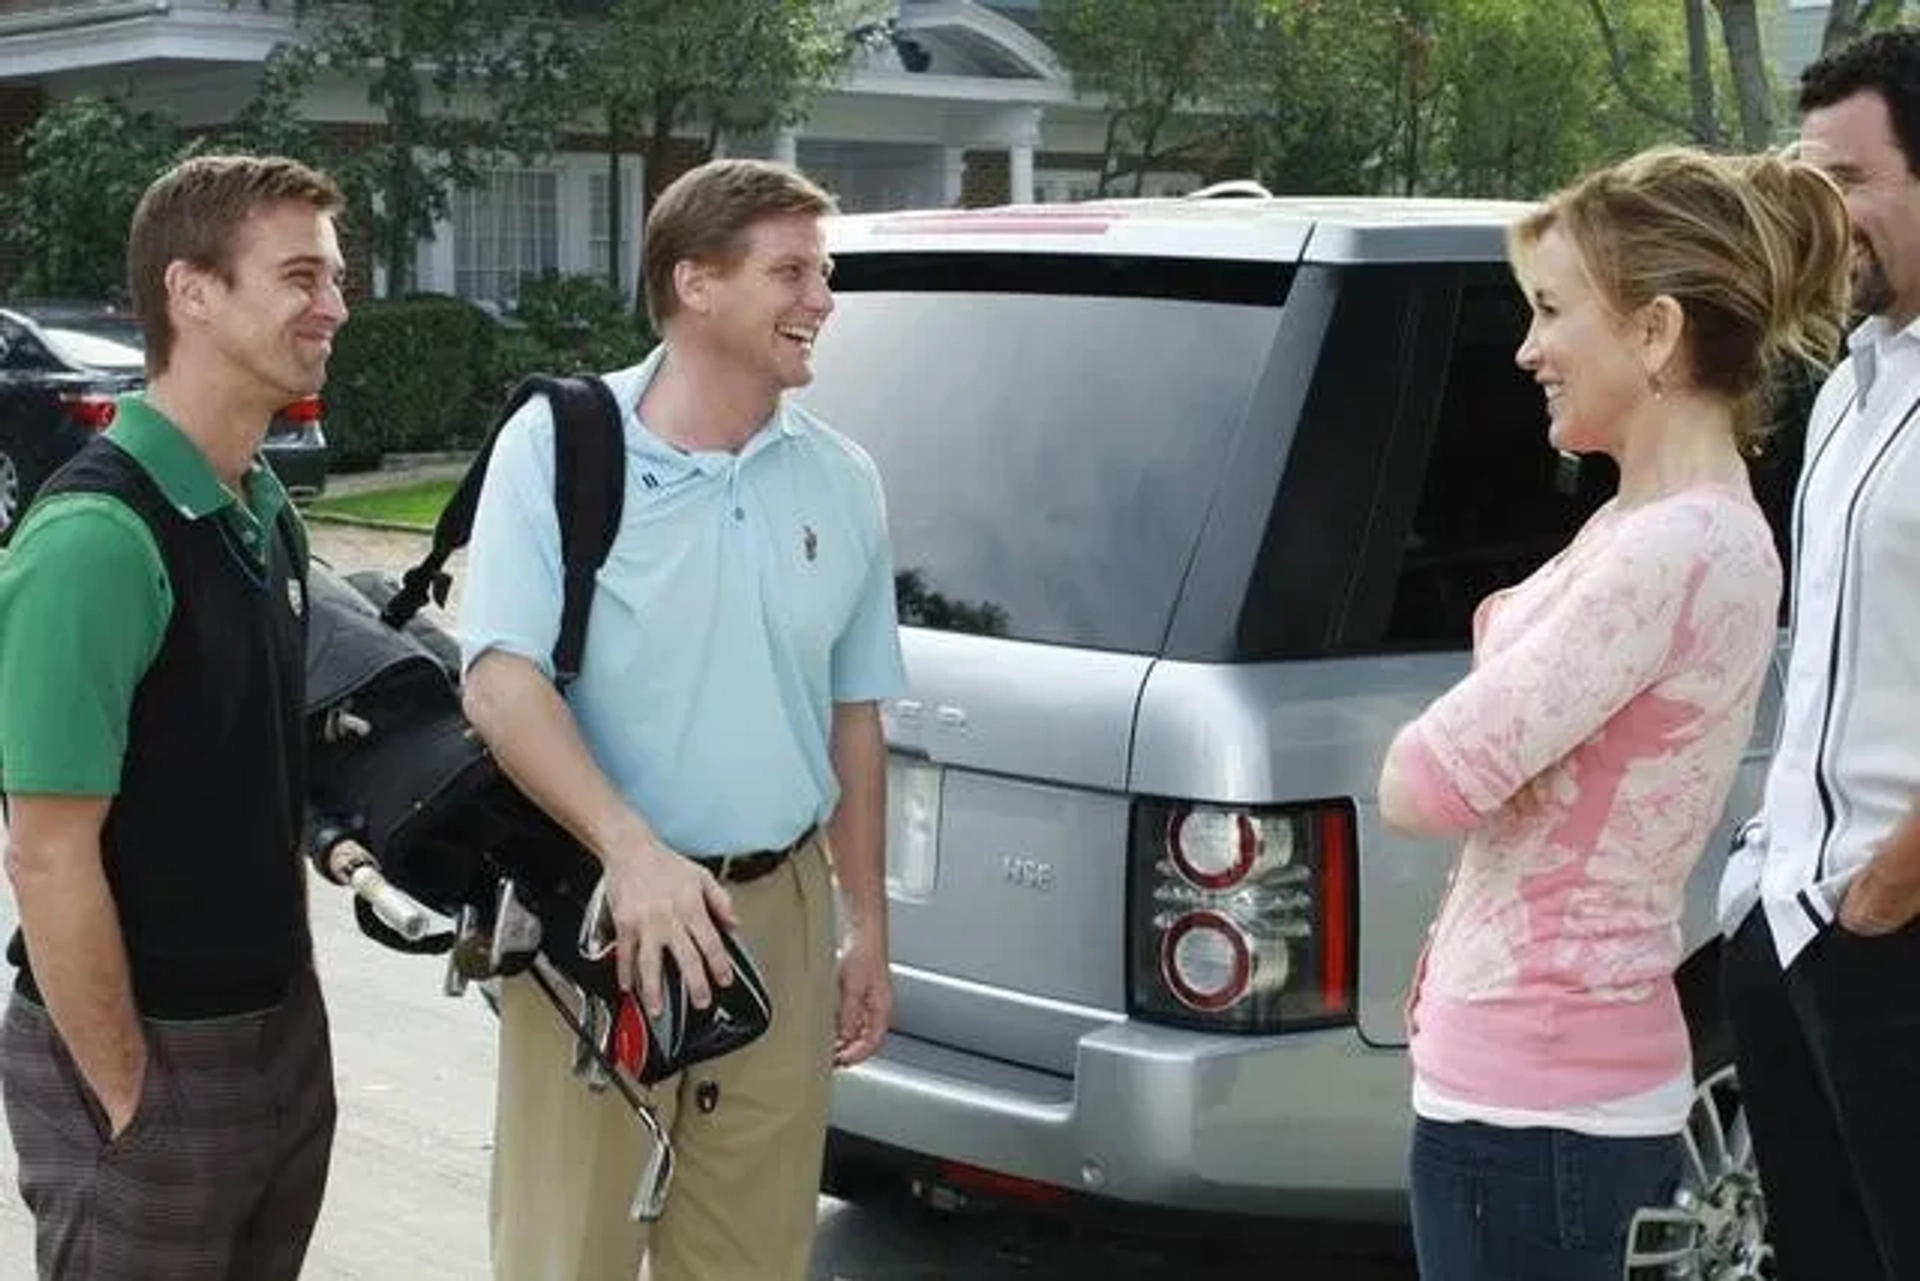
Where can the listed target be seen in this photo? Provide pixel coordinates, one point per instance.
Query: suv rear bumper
(1309, 1125)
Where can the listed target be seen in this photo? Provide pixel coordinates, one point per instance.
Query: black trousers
(1829, 1059)
(219, 1175)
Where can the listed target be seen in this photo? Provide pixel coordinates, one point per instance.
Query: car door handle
(950, 716)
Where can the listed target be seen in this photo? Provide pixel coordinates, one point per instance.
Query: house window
(505, 228)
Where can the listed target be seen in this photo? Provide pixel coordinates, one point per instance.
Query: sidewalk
(407, 1195)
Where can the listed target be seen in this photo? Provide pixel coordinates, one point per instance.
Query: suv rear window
(1050, 430)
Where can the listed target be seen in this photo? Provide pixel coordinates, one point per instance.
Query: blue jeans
(1494, 1204)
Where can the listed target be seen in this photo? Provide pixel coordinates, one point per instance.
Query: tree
(87, 162)
(1522, 110)
(1706, 117)
(273, 123)
(1618, 38)
(1307, 86)
(456, 82)
(1474, 97)
(650, 67)
(1484, 97)
(1151, 60)
(1752, 85)
(1744, 57)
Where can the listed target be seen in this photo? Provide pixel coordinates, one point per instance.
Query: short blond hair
(704, 214)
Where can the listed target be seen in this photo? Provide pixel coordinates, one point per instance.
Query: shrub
(570, 324)
(86, 161)
(409, 375)
(429, 372)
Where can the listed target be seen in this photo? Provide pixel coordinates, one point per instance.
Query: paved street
(407, 1199)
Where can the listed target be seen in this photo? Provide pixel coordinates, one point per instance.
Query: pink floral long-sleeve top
(1587, 755)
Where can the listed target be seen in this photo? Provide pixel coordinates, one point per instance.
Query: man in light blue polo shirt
(726, 715)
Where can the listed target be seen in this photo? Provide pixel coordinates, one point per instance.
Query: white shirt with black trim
(1846, 768)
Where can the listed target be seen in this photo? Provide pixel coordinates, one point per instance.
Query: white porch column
(1023, 139)
(786, 148)
(1020, 173)
(953, 174)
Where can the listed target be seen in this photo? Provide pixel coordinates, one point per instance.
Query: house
(1797, 29)
(1798, 26)
(968, 106)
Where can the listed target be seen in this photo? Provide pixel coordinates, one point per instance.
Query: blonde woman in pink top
(1589, 752)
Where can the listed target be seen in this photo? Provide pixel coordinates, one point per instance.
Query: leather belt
(738, 869)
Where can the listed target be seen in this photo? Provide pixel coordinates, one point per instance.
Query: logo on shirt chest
(809, 543)
(296, 597)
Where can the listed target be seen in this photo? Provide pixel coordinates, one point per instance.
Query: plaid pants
(219, 1175)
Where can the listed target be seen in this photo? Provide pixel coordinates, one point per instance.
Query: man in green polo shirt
(164, 1059)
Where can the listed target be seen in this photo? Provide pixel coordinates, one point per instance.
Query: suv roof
(1331, 229)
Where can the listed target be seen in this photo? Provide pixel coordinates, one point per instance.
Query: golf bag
(404, 795)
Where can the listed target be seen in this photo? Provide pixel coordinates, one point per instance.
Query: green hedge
(572, 324)
(429, 372)
(414, 374)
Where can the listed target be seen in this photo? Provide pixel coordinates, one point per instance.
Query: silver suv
(1191, 502)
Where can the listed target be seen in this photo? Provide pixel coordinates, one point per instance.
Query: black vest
(201, 844)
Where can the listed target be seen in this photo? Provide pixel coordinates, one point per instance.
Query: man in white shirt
(1821, 899)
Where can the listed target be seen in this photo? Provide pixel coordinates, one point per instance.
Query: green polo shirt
(85, 602)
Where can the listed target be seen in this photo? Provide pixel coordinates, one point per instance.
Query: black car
(62, 364)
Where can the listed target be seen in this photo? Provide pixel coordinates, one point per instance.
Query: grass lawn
(416, 505)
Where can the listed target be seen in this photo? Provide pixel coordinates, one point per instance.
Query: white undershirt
(1649, 1115)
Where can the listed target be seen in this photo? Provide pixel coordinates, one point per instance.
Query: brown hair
(705, 213)
(191, 212)
(1754, 249)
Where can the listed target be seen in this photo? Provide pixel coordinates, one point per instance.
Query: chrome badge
(1026, 873)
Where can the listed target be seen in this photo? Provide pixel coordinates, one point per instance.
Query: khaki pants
(747, 1172)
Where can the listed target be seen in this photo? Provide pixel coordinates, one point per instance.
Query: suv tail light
(1242, 919)
(89, 409)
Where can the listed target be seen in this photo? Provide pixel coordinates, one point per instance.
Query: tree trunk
(1149, 141)
(1410, 152)
(1848, 20)
(614, 274)
(1108, 169)
(1740, 27)
(1843, 24)
(399, 222)
(405, 127)
(1706, 121)
(1419, 47)
(1698, 65)
(659, 151)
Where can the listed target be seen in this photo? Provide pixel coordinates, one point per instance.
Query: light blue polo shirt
(744, 596)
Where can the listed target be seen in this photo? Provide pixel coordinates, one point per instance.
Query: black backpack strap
(429, 579)
(589, 491)
(589, 485)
